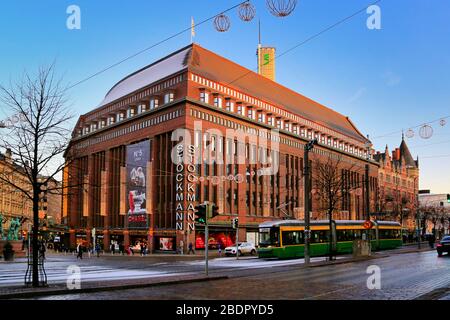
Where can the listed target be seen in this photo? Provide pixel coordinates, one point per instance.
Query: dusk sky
(384, 80)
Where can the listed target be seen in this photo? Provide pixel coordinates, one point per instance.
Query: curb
(32, 294)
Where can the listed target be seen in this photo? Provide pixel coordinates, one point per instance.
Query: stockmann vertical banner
(138, 155)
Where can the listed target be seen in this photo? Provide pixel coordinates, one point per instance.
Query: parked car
(443, 246)
(244, 248)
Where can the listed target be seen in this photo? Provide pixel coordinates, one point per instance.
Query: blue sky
(384, 80)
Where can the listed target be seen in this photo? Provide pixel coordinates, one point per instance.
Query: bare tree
(38, 142)
(438, 216)
(332, 185)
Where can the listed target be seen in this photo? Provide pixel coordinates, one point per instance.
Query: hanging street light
(281, 8)
(222, 23)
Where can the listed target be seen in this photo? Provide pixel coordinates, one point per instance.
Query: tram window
(351, 234)
(319, 236)
(292, 238)
(268, 237)
(389, 234)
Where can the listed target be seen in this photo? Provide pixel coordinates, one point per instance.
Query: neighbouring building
(125, 182)
(398, 179)
(13, 203)
(434, 211)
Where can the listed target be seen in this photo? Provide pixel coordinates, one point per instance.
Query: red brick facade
(200, 98)
(399, 185)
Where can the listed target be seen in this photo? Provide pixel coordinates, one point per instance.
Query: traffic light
(200, 214)
(213, 211)
(235, 223)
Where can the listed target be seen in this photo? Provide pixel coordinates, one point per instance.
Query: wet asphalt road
(417, 275)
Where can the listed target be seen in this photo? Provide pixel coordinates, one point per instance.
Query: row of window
(230, 92)
(134, 127)
(279, 123)
(130, 112)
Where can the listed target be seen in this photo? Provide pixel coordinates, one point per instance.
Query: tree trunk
(35, 236)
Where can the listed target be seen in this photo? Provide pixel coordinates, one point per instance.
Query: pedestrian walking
(431, 240)
(97, 249)
(220, 250)
(112, 248)
(80, 252)
(42, 250)
(191, 248)
(181, 247)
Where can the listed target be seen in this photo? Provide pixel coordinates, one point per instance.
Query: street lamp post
(308, 147)
(367, 194)
(367, 186)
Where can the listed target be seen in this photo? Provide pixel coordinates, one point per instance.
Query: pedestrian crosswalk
(249, 263)
(61, 273)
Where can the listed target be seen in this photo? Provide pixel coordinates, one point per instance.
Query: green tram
(285, 239)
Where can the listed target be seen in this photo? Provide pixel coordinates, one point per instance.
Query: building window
(229, 105)
(154, 103)
(217, 102)
(295, 129)
(168, 97)
(287, 126)
(250, 113)
(270, 121)
(111, 120)
(204, 97)
(142, 108)
(279, 124)
(240, 109)
(131, 112)
(261, 117)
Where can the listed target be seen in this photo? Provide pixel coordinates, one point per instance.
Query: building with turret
(398, 178)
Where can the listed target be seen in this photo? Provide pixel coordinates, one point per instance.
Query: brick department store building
(124, 184)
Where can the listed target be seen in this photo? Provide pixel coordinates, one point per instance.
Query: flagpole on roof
(192, 30)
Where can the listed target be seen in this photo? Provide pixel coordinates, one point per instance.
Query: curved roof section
(214, 67)
(158, 70)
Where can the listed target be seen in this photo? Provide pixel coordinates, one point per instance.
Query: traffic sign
(368, 224)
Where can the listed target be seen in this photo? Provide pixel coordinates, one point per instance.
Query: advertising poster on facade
(166, 244)
(137, 157)
(215, 238)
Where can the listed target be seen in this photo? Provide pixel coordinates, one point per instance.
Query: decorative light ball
(426, 131)
(281, 8)
(222, 23)
(410, 133)
(247, 11)
(443, 122)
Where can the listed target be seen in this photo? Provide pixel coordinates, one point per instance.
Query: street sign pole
(306, 203)
(206, 247)
(208, 208)
(237, 241)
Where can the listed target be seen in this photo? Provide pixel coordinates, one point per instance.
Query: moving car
(443, 246)
(244, 248)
